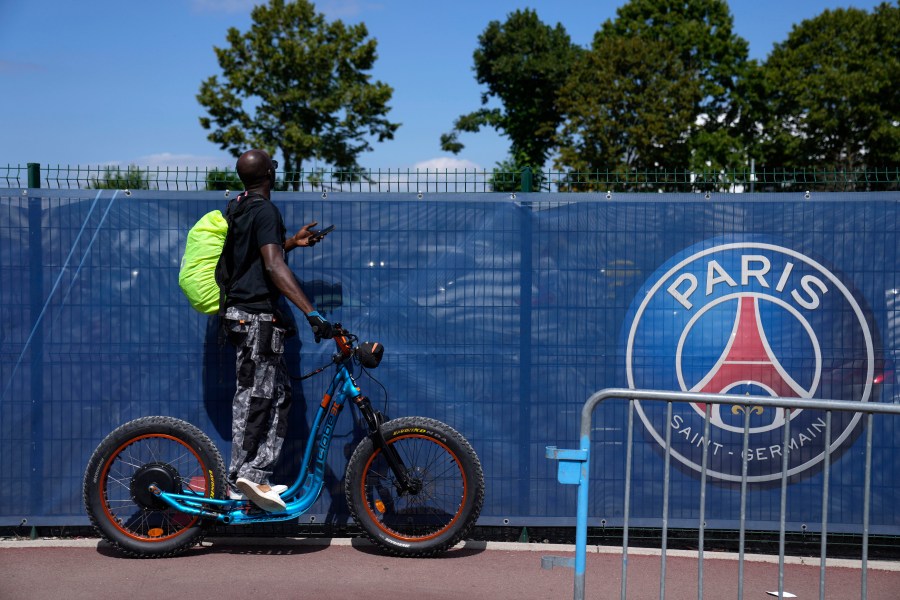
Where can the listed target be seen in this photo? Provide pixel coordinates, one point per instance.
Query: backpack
(202, 269)
(197, 277)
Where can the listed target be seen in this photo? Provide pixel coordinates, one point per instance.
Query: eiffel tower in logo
(748, 360)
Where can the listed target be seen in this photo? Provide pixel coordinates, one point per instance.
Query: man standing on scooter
(258, 276)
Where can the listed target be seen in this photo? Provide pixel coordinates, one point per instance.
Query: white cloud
(435, 174)
(183, 161)
(164, 171)
(167, 171)
(447, 163)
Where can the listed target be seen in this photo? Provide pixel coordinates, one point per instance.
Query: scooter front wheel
(164, 452)
(446, 495)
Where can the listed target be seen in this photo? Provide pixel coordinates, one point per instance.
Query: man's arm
(283, 279)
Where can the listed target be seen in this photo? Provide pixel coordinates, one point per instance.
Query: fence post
(34, 175)
(526, 179)
(35, 383)
(526, 226)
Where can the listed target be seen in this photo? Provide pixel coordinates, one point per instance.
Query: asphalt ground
(293, 568)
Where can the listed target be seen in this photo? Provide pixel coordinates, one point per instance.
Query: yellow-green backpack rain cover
(197, 277)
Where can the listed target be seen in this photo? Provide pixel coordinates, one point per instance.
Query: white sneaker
(233, 494)
(261, 494)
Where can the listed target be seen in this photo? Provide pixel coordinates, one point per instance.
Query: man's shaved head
(255, 169)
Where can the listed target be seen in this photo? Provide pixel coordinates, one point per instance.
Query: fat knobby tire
(444, 507)
(135, 531)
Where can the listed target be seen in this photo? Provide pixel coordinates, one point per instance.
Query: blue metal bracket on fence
(571, 464)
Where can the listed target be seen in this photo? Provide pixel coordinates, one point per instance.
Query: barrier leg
(573, 469)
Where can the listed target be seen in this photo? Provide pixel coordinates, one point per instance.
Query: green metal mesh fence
(459, 180)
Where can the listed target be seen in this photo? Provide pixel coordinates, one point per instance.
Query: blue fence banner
(499, 316)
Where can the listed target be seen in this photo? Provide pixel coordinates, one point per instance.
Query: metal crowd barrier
(574, 469)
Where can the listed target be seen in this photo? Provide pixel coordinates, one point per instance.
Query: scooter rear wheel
(168, 453)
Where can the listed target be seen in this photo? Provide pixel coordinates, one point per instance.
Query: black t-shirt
(257, 225)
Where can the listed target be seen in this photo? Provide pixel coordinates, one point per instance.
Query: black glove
(321, 328)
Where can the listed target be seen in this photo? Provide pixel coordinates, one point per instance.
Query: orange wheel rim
(381, 507)
(154, 534)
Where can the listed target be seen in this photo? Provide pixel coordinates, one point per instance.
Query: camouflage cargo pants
(263, 396)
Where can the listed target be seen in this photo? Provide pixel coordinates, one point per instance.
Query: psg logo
(753, 318)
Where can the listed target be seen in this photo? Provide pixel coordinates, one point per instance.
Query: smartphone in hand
(318, 235)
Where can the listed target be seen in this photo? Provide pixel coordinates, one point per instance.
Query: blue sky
(104, 82)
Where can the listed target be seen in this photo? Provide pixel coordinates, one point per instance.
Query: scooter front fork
(375, 420)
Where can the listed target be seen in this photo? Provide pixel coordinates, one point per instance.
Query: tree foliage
(510, 176)
(224, 179)
(522, 62)
(831, 92)
(113, 178)
(700, 34)
(297, 84)
(627, 105)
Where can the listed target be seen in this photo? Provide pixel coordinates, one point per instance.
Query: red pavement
(291, 569)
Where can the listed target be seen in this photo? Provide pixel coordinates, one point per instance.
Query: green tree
(627, 105)
(522, 62)
(833, 99)
(337, 178)
(701, 36)
(113, 178)
(507, 177)
(225, 179)
(228, 179)
(300, 85)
